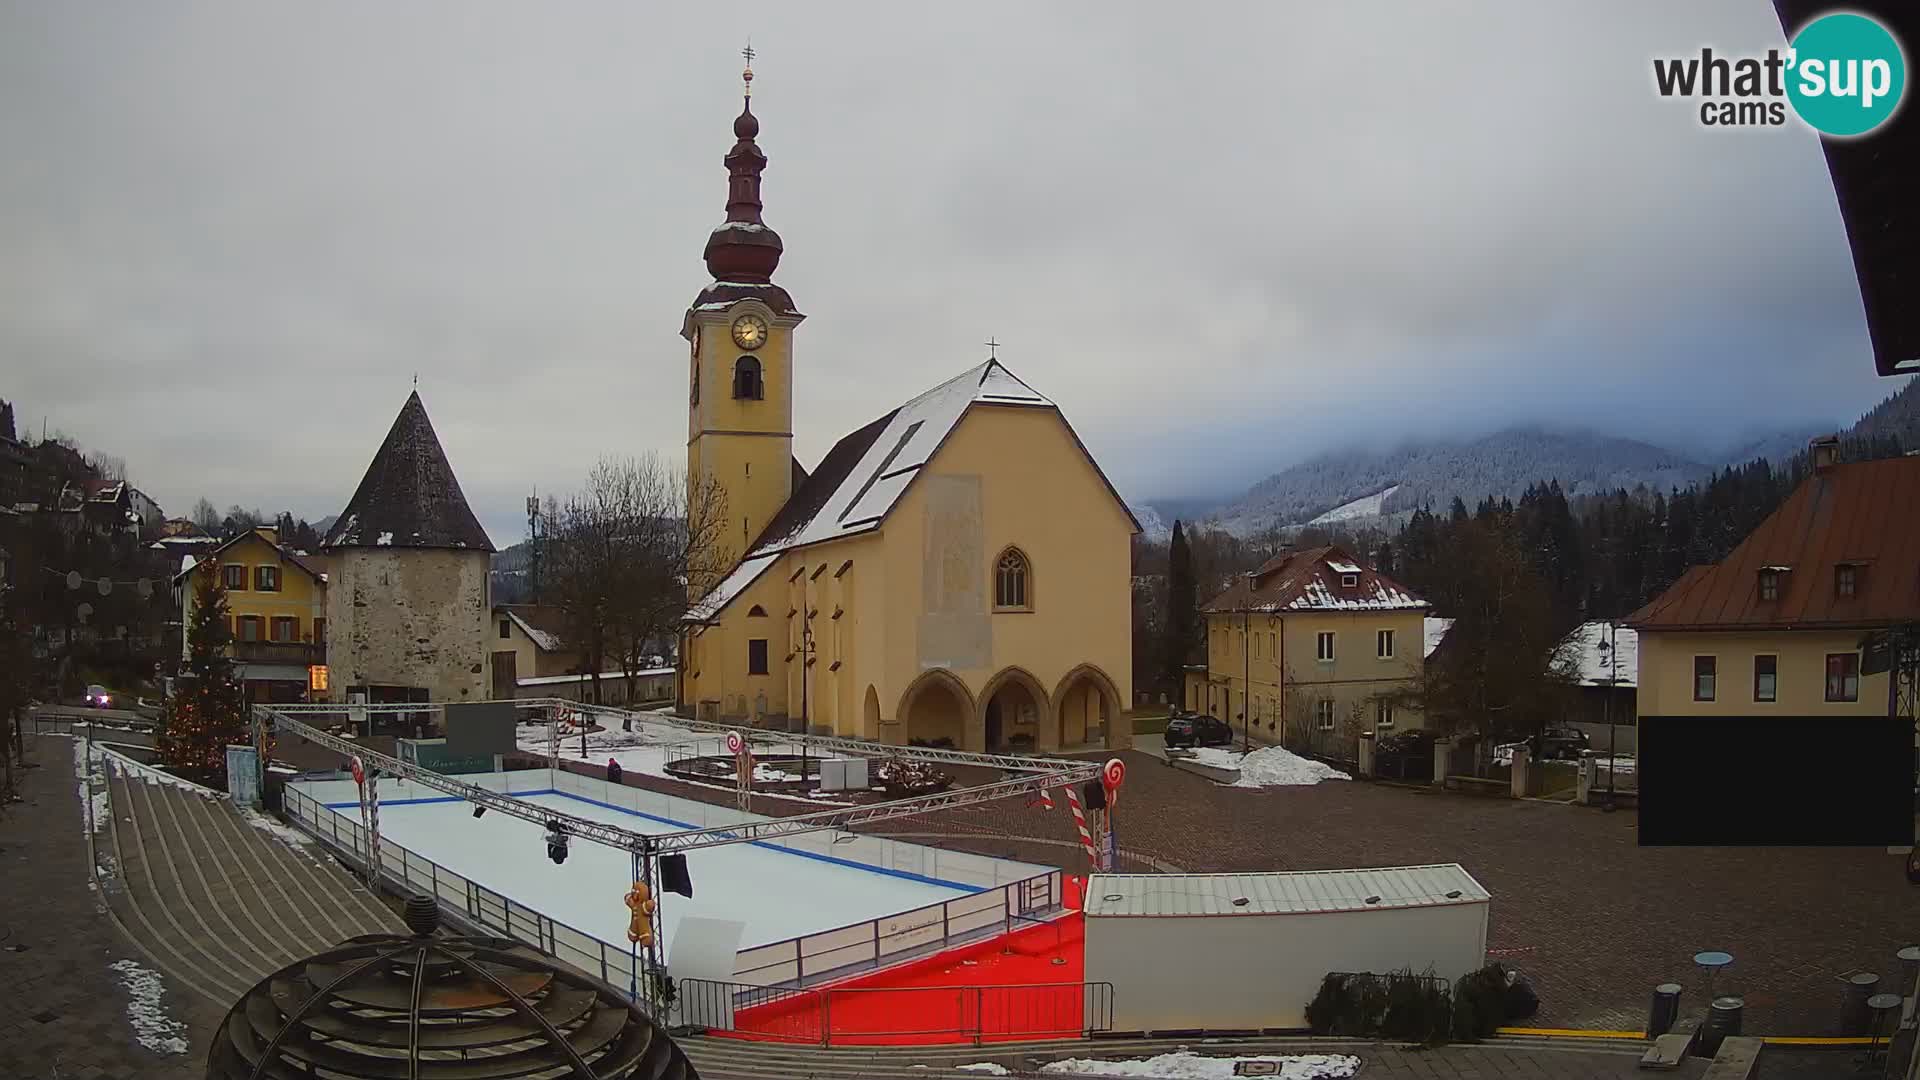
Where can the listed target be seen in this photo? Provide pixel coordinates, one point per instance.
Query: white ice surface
(777, 893)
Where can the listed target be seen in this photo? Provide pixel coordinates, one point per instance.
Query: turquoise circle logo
(1847, 74)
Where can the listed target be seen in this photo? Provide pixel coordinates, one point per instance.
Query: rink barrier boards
(848, 1016)
(999, 904)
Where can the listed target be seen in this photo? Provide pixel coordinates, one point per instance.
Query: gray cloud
(1221, 237)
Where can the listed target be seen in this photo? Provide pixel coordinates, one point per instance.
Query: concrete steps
(216, 902)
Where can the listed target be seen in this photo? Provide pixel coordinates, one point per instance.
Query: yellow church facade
(956, 572)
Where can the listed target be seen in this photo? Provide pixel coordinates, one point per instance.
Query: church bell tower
(739, 333)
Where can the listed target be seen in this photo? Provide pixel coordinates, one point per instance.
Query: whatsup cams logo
(1843, 74)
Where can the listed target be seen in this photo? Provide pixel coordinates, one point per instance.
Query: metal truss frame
(1064, 772)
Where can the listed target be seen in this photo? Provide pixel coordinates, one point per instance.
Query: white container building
(1246, 952)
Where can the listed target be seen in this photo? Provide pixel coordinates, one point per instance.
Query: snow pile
(1182, 1064)
(266, 824)
(156, 1031)
(988, 1067)
(86, 759)
(1273, 766)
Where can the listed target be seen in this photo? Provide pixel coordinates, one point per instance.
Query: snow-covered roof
(616, 673)
(1311, 581)
(861, 479)
(1436, 632)
(1287, 893)
(549, 641)
(895, 453)
(732, 585)
(1601, 656)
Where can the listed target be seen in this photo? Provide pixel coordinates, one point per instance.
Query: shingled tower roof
(409, 497)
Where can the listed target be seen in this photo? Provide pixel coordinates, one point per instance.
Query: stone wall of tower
(408, 617)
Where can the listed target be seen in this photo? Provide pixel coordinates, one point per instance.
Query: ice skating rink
(779, 893)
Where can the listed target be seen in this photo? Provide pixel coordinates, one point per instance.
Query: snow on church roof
(863, 476)
(860, 496)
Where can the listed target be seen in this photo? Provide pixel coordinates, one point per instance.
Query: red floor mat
(1026, 985)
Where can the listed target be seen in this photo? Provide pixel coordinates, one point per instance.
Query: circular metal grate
(387, 1007)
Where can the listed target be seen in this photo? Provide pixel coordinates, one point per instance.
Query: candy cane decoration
(1111, 774)
(1046, 800)
(1080, 822)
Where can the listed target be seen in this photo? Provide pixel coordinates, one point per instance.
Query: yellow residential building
(277, 612)
(1776, 628)
(1311, 649)
(956, 571)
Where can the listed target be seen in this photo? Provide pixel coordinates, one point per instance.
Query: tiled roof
(1310, 581)
(409, 497)
(1866, 514)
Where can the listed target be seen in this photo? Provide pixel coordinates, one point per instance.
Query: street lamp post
(1246, 681)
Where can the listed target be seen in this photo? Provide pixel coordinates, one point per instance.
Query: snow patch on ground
(86, 766)
(1182, 1064)
(156, 1031)
(266, 824)
(1273, 766)
(989, 1067)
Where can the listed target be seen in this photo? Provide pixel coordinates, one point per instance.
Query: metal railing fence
(854, 1016)
(806, 960)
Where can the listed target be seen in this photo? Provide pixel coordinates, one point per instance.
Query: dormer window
(746, 379)
(1769, 584)
(1846, 580)
(1349, 581)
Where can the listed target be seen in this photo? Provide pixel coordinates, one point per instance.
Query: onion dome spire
(743, 252)
(743, 248)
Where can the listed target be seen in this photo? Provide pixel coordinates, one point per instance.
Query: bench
(1667, 1051)
(1736, 1060)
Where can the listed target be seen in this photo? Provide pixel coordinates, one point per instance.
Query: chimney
(1825, 452)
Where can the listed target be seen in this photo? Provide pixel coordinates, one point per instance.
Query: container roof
(1291, 893)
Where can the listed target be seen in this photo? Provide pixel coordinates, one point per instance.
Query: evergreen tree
(1183, 607)
(208, 711)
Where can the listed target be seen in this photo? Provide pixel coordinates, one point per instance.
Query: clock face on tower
(749, 332)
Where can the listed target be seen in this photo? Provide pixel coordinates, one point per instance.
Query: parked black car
(1558, 744)
(1188, 730)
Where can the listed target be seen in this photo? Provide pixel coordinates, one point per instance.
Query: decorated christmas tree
(208, 710)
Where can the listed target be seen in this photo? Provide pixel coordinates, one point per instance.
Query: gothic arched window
(1013, 582)
(746, 379)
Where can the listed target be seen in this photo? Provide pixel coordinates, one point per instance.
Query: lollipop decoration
(1111, 774)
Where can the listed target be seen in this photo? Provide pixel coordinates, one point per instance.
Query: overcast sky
(1222, 237)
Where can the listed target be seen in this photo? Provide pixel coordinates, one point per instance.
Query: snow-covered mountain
(1363, 487)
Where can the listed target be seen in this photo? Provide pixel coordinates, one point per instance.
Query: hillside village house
(1312, 648)
(276, 612)
(956, 571)
(1776, 628)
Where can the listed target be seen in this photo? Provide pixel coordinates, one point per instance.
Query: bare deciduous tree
(621, 554)
(206, 516)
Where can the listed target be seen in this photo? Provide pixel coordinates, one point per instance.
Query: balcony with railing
(300, 653)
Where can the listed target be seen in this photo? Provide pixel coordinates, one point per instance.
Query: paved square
(1595, 920)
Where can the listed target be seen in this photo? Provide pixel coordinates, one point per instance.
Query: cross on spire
(993, 349)
(746, 77)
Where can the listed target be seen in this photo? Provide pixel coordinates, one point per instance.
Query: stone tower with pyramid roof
(407, 563)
